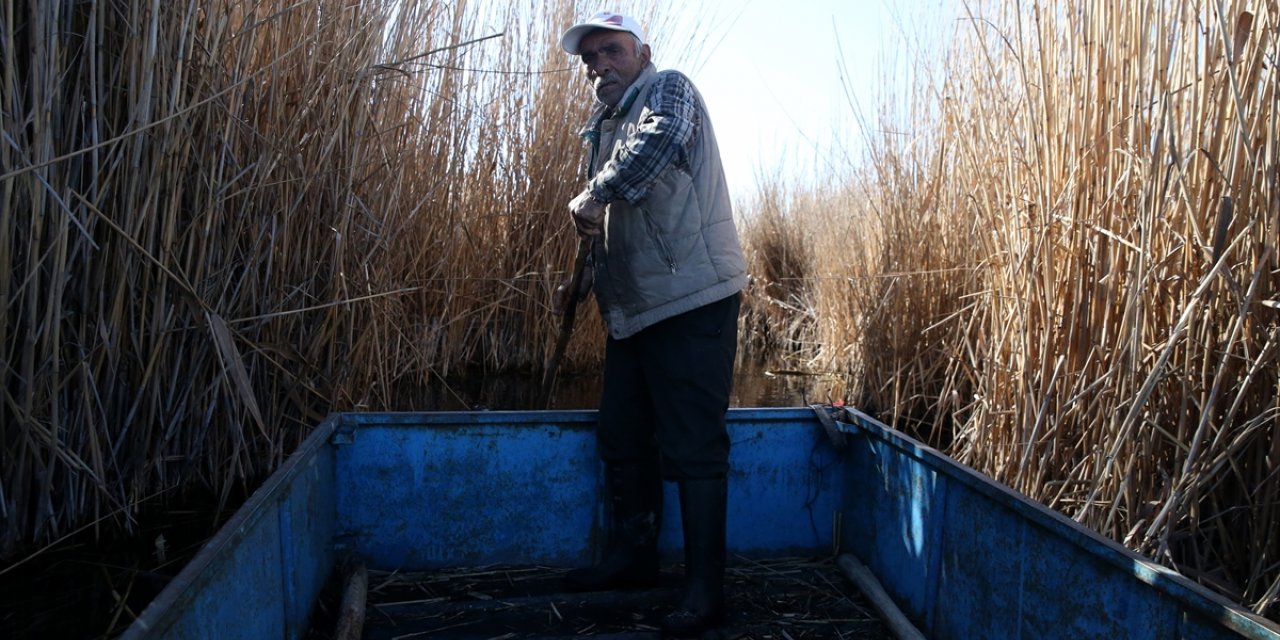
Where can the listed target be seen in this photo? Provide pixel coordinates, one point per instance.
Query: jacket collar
(603, 112)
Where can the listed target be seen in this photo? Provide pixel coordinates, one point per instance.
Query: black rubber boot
(635, 517)
(702, 510)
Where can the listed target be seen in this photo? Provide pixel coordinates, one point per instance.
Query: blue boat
(959, 555)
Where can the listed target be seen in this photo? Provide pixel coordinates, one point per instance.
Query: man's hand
(588, 214)
(560, 299)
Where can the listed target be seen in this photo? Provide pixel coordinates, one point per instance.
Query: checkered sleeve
(663, 136)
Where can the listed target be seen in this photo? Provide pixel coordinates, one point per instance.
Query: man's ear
(646, 54)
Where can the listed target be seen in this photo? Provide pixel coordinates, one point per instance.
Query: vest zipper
(656, 232)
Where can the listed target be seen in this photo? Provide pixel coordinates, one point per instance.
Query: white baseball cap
(603, 20)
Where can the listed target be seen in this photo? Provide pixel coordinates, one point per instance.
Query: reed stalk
(220, 220)
(1064, 271)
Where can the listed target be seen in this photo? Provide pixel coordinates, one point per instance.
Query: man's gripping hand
(588, 214)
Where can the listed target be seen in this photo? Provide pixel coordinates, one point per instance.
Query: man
(667, 271)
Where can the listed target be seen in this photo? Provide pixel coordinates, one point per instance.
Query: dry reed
(1065, 274)
(220, 220)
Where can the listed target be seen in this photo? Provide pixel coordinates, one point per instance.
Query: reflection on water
(754, 386)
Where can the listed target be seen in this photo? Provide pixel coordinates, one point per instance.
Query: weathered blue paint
(306, 538)
(785, 485)
(519, 489)
(259, 576)
(436, 491)
(963, 556)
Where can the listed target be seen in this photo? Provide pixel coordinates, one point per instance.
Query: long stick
(566, 321)
(351, 615)
(860, 575)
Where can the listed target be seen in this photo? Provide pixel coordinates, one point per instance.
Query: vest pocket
(655, 233)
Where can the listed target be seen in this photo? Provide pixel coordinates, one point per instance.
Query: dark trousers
(666, 391)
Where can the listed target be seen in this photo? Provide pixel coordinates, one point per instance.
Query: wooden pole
(861, 576)
(351, 615)
(566, 322)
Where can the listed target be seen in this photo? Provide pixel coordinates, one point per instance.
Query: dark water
(755, 385)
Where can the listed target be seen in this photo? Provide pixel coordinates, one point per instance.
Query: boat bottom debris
(783, 599)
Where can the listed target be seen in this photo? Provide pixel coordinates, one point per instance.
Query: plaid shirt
(663, 137)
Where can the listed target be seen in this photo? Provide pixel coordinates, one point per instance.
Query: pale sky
(774, 72)
(774, 82)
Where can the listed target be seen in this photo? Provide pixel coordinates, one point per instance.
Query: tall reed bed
(1066, 274)
(221, 219)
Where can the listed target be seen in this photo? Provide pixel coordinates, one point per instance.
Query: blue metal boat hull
(962, 556)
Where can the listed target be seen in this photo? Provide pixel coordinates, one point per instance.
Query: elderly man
(667, 271)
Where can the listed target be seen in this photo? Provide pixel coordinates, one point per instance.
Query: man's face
(612, 62)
